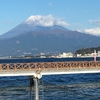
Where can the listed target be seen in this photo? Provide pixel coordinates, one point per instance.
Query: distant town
(59, 55)
(70, 55)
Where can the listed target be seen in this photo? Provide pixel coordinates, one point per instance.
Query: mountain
(31, 38)
(33, 24)
(24, 28)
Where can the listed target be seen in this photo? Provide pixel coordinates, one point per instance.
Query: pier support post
(36, 78)
(36, 88)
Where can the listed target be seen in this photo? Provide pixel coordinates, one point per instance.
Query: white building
(65, 55)
(98, 54)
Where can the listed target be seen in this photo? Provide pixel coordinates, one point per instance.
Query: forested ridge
(87, 50)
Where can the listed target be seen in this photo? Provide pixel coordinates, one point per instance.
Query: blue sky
(81, 15)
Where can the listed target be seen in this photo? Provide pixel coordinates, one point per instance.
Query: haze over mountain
(44, 34)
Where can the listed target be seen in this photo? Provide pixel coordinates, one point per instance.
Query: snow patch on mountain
(45, 21)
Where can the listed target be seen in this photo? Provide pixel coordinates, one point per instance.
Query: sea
(51, 87)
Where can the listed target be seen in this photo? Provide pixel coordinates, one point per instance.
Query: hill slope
(47, 41)
(87, 50)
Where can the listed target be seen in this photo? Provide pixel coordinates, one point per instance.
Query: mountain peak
(36, 23)
(46, 21)
(33, 19)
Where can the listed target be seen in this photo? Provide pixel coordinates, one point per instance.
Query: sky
(80, 15)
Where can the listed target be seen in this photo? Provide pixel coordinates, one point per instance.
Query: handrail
(49, 65)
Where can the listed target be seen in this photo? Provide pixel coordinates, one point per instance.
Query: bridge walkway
(48, 68)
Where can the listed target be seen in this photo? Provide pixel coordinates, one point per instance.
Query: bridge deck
(47, 68)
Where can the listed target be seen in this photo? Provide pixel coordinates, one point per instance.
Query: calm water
(54, 87)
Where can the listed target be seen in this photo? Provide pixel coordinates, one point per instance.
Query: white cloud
(95, 22)
(92, 31)
(48, 20)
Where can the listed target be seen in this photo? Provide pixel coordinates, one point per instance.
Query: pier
(36, 69)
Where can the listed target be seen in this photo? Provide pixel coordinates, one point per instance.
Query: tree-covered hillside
(87, 50)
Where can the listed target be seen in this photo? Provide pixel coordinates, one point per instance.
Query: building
(65, 55)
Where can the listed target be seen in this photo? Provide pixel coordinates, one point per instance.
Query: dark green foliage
(87, 50)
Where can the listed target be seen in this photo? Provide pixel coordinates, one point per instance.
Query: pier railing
(49, 65)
